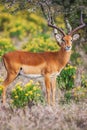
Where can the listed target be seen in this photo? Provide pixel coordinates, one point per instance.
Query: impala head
(64, 40)
(67, 42)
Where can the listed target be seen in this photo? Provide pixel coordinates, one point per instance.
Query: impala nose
(67, 48)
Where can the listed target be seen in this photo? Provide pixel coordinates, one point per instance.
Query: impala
(46, 64)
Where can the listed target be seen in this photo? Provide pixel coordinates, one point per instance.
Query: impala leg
(48, 87)
(53, 83)
(10, 77)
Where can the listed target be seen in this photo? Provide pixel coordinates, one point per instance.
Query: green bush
(4, 20)
(41, 43)
(5, 46)
(22, 95)
(66, 78)
(76, 58)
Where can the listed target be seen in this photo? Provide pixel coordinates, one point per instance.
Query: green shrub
(5, 46)
(76, 58)
(66, 78)
(4, 20)
(22, 95)
(41, 43)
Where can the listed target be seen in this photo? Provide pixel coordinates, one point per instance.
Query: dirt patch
(67, 117)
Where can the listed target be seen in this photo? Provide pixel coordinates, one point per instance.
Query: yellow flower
(38, 95)
(37, 83)
(21, 89)
(1, 87)
(11, 101)
(30, 92)
(16, 96)
(31, 81)
(66, 68)
(78, 88)
(28, 84)
(83, 76)
(75, 67)
(73, 76)
(26, 94)
(18, 84)
(70, 67)
(34, 88)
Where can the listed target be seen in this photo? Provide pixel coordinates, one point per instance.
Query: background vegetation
(23, 27)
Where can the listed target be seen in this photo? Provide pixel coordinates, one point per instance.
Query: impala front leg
(48, 87)
(53, 84)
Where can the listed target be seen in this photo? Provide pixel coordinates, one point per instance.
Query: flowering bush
(21, 96)
(41, 43)
(66, 78)
(5, 46)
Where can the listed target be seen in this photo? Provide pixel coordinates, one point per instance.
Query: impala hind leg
(48, 87)
(53, 85)
(10, 77)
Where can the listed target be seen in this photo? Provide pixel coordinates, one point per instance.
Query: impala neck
(64, 56)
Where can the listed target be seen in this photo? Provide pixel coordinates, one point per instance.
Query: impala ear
(75, 37)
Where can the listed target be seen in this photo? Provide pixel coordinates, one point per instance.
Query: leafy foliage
(31, 92)
(44, 44)
(76, 58)
(5, 46)
(66, 78)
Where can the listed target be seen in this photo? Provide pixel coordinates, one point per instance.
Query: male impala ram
(45, 64)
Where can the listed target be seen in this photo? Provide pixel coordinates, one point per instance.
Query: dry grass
(66, 117)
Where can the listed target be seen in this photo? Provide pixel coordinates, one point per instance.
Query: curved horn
(55, 27)
(79, 27)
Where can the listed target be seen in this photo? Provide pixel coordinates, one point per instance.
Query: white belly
(34, 76)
